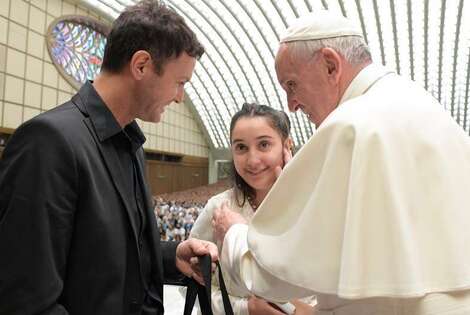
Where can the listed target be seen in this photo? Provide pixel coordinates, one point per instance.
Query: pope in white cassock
(372, 215)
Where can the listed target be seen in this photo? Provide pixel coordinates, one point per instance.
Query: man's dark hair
(278, 120)
(151, 26)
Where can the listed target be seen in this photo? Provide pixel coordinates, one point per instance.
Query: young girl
(260, 146)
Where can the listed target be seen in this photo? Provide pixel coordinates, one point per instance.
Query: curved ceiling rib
(426, 44)
(293, 8)
(216, 49)
(299, 133)
(305, 122)
(213, 131)
(467, 96)
(296, 124)
(241, 38)
(261, 35)
(441, 48)
(409, 9)
(214, 104)
(221, 125)
(247, 70)
(309, 7)
(379, 31)
(343, 11)
(239, 42)
(454, 62)
(254, 45)
(214, 83)
(361, 19)
(395, 34)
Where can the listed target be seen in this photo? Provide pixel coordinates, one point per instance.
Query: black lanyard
(204, 292)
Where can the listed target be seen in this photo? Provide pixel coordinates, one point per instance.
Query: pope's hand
(287, 156)
(222, 219)
(258, 306)
(302, 308)
(186, 257)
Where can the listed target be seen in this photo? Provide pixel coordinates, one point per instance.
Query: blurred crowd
(175, 219)
(176, 212)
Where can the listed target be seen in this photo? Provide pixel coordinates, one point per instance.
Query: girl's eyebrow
(259, 137)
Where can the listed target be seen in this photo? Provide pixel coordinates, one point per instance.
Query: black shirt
(127, 141)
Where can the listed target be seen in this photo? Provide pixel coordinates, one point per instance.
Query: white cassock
(375, 204)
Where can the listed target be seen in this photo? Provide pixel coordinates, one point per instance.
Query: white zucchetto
(320, 25)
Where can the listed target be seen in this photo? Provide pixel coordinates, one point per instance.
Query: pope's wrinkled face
(307, 84)
(158, 90)
(257, 150)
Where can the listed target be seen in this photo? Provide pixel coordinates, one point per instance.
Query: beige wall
(30, 83)
(178, 132)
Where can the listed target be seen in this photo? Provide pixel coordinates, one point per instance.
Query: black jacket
(68, 241)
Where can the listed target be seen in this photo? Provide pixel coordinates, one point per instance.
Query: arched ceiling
(425, 40)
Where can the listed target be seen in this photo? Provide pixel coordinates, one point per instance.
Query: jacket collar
(105, 124)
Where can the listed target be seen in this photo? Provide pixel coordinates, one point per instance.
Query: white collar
(363, 81)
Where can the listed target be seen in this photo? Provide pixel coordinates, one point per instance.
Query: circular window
(76, 46)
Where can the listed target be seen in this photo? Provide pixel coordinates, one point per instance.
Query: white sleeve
(246, 272)
(202, 228)
(239, 304)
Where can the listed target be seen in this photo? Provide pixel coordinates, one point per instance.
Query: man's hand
(222, 219)
(186, 257)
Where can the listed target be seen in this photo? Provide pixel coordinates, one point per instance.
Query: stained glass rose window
(76, 46)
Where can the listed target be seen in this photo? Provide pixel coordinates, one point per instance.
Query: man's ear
(333, 63)
(140, 63)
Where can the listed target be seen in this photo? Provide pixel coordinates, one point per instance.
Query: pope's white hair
(352, 48)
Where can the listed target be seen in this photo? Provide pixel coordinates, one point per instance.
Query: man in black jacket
(77, 231)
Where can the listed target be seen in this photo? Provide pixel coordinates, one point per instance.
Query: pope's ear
(333, 63)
